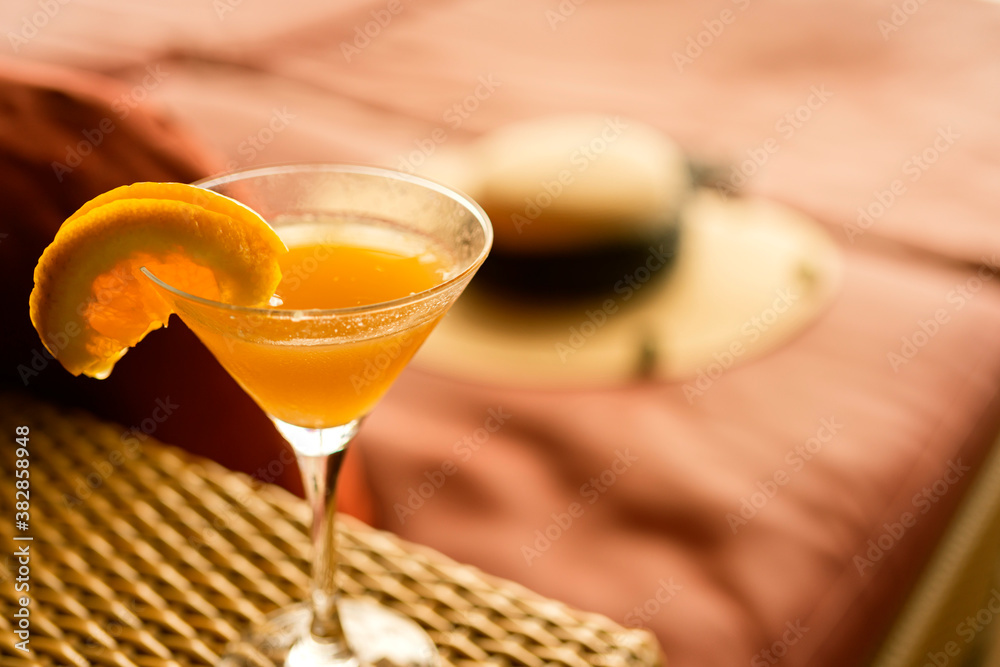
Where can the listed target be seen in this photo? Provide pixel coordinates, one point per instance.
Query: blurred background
(741, 308)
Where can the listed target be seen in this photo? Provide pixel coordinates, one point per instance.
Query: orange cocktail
(375, 260)
(318, 384)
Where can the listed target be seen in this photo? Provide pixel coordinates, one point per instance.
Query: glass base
(377, 635)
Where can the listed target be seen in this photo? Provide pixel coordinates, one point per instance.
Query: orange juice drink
(336, 378)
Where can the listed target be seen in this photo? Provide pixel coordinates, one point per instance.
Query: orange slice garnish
(91, 302)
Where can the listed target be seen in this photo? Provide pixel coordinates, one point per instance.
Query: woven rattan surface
(143, 555)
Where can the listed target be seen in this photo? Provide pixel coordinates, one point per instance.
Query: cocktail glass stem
(320, 455)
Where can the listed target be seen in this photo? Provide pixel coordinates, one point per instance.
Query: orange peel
(91, 302)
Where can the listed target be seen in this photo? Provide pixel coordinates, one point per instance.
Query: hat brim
(750, 274)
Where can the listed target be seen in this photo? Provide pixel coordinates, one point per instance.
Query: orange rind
(91, 302)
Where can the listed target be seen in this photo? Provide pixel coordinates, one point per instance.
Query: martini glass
(318, 372)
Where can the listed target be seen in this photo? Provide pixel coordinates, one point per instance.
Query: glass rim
(285, 313)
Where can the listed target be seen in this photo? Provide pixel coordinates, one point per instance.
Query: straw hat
(610, 264)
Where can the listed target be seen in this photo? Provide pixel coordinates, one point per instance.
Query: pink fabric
(659, 538)
(888, 90)
(669, 516)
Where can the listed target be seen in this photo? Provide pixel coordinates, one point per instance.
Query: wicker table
(143, 555)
